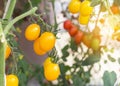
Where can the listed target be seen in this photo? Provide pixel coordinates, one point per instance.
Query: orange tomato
(115, 9)
(78, 37)
(73, 30)
(102, 21)
(87, 39)
(51, 71)
(32, 32)
(12, 80)
(36, 47)
(8, 51)
(47, 41)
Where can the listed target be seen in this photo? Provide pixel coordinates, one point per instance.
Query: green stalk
(2, 56)
(10, 24)
(9, 9)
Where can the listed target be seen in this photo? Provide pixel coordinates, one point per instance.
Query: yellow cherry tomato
(51, 71)
(83, 19)
(47, 41)
(12, 80)
(47, 62)
(74, 6)
(32, 32)
(36, 47)
(8, 51)
(85, 8)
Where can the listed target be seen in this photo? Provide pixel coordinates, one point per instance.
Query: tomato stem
(9, 9)
(2, 56)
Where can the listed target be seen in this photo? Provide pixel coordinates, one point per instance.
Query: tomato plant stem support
(9, 9)
(2, 56)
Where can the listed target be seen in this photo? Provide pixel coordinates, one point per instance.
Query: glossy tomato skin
(67, 24)
(74, 6)
(37, 49)
(51, 71)
(83, 19)
(47, 62)
(78, 37)
(47, 41)
(12, 80)
(32, 32)
(73, 30)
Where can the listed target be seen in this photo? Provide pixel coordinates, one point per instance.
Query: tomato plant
(72, 64)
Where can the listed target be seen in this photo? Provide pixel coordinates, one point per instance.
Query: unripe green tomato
(95, 44)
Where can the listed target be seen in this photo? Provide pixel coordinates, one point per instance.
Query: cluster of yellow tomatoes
(42, 44)
(83, 8)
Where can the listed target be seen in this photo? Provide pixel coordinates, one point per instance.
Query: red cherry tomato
(78, 37)
(67, 24)
(73, 30)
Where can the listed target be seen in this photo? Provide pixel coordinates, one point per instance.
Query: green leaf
(111, 58)
(40, 74)
(119, 60)
(63, 70)
(73, 46)
(95, 2)
(65, 48)
(77, 81)
(105, 61)
(35, 2)
(22, 79)
(91, 59)
(65, 52)
(103, 7)
(109, 78)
